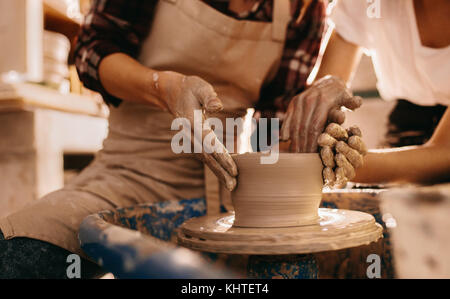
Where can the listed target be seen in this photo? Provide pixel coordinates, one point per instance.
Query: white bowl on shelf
(56, 46)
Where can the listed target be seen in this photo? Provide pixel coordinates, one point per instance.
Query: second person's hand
(342, 152)
(309, 112)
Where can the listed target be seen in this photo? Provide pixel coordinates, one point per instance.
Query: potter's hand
(184, 94)
(341, 152)
(309, 112)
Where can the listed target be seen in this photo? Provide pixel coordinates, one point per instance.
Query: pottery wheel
(336, 229)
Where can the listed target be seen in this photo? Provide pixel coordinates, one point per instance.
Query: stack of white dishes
(56, 53)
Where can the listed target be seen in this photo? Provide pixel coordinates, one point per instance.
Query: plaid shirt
(114, 26)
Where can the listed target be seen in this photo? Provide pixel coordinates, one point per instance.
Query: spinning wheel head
(335, 229)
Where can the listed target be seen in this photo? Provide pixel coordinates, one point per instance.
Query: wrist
(163, 81)
(155, 84)
(166, 83)
(152, 83)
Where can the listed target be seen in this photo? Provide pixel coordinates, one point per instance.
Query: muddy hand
(342, 153)
(182, 96)
(309, 112)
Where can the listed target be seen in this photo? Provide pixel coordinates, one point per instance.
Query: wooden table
(38, 126)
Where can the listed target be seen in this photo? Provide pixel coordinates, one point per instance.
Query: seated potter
(411, 55)
(154, 61)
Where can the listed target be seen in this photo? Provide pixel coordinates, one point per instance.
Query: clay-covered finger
(349, 101)
(205, 94)
(329, 177)
(354, 131)
(325, 139)
(317, 123)
(286, 127)
(357, 143)
(307, 131)
(213, 105)
(327, 156)
(343, 163)
(336, 131)
(341, 179)
(227, 162)
(229, 181)
(218, 151)
(295, 126)
(336, 116)
(353, 156)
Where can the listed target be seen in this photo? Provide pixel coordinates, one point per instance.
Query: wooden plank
(25, 96)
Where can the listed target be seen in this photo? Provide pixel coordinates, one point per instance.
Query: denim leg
(30, 258)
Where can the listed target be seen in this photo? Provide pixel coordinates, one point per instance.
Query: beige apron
(136, 164)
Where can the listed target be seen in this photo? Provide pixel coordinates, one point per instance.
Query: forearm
(125, 78)
(426, 163)
(417, 164)
(340, 58)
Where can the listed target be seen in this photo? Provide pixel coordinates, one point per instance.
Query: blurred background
(51, 125)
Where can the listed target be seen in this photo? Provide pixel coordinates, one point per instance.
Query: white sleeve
(351, 21)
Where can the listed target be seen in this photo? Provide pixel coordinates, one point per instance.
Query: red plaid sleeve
(111, 26)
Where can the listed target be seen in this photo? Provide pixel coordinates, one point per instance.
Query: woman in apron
(154, 61)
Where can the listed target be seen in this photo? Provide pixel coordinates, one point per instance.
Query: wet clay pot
(286, 193)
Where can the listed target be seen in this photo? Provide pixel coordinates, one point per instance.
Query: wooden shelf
(56, 20)
(23, 96)
(57, 12)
